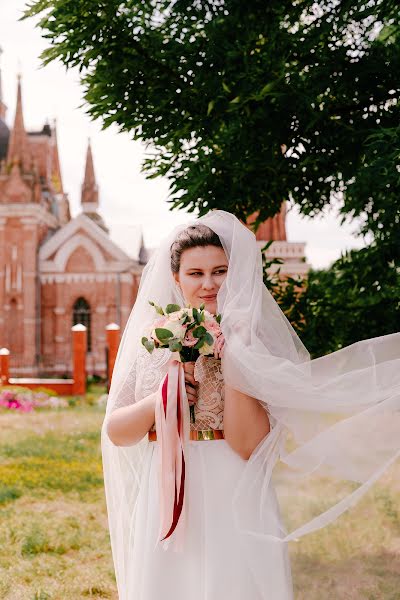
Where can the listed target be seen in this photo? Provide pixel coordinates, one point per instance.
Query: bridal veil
(338, 415)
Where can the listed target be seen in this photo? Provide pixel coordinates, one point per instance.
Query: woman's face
(202, 272)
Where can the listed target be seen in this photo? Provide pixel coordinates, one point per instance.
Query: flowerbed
(25, 400)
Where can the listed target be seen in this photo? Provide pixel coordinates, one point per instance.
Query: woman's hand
(190, 383)
(219, 347)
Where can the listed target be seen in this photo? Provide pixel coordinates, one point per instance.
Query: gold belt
(202, 434)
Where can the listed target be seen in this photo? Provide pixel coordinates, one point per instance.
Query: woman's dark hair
(191, 237)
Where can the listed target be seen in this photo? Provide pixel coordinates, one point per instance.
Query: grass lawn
(54, 541)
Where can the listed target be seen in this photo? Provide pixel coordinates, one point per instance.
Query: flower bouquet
(187, 331)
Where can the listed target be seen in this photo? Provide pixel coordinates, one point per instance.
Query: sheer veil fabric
(338, 415)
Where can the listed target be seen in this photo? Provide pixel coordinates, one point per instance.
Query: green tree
(354, 299)
(246, 103)
(218, 88)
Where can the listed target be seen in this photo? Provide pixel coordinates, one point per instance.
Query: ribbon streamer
(172, 426)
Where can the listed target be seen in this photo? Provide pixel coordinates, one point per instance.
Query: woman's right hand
(190, 383)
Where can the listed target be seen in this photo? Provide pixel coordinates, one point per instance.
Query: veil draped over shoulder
(338, 415)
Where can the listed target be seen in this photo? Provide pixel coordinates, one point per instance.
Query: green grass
(54, 541)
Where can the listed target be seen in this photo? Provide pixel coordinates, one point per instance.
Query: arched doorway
(81, 313)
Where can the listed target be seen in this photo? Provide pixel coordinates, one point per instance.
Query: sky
(128, 201)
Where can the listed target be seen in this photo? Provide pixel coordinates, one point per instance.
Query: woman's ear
(176, 277)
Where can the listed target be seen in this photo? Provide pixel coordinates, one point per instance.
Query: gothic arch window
(15, 330)
(81, 313)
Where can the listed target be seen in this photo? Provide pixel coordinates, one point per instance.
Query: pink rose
(158, 323)
(189, 339)
(212, 327)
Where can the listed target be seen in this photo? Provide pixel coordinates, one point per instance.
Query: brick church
(56, 271)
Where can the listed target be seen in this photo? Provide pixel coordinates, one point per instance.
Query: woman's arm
(127, 425)
(246, 422)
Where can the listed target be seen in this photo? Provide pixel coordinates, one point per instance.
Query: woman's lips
(209, 297)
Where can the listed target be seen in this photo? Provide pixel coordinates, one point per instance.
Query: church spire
(18, 147)
(90, 193)
(55, 162)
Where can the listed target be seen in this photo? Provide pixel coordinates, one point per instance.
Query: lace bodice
(209, 409)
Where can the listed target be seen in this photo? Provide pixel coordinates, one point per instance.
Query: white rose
(177, 330)
(175, 316)
(208, 315)
(206, 349)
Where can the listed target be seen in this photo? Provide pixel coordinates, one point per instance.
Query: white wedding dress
(217, 563)
(335, 416)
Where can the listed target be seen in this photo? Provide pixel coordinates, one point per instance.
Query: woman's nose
(208, 283)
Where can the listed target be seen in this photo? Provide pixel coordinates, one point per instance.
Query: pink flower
(189, 339)
(212, 327)
(158, 323)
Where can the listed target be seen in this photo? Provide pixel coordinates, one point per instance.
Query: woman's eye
(219, 272)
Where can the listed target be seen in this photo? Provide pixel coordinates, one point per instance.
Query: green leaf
(199, 331)
(268, 87)
(208, 338)
(163, 334)
(170, 308)
(226, 88)
(175, 345)
(159, 310)
(210, 107)
(199, 344)
(149, 345)
(218, 318)
(196, 315)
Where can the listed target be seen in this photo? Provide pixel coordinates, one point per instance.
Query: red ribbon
(178, 503)
(172, 425)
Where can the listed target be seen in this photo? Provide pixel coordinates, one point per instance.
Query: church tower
(291, 253)
(32, 206)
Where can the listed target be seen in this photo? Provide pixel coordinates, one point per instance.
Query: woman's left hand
(219, 346)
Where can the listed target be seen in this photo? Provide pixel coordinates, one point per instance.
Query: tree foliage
(244, 104)
(354, 299)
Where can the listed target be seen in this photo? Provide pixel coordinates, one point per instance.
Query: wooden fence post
(79, 359)
(4, 365)
(112, 332)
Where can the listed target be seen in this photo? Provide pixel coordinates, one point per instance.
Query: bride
(258, 402)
